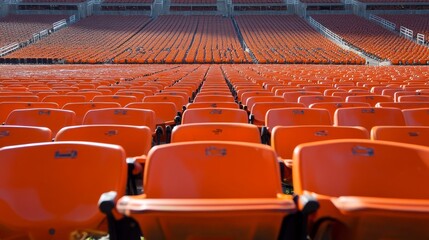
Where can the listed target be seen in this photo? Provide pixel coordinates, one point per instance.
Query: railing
(420, 38)
(72, 19)
(382, 21)
(326, 31)
(58, 25)
(406, 32)
(9, 48)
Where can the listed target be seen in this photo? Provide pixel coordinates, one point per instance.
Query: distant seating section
(91, 40)
(374, 39)
(20, 28)
(186, 39)
(419, 23)
(289, 39)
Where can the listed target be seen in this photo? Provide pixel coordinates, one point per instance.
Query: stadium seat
(405, 134)
(135, 140)
(358, 197)
(7, 107)
(416, 116)
(50, 190)
(216, 132)
(183, 199)
(368, 117)
(14, 135)
(122, 116)
(201, 115)
(260, 109)
(52, 118)
(81, 108)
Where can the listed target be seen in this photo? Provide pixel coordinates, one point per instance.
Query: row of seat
(185, 196)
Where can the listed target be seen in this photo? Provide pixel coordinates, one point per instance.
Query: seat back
(416, 116)
(314, 168)
(81, 108)
(251, 101)
(213, 105)
(121, 116)
(368, 117)
(333, 106)
(296, 116)
(52, 118)
(7, 107)
(200, 115)
(62, 100)
(405, 134)
(135, 140)
(165, 112)
(121, 99)
(403, 105)
(371, 99)
(193, 171)
(58, 185)
(14, 135)
(216, 132)
(284, 139)
(179, 101)
(307, 100)
(260, 109)
(214, 98)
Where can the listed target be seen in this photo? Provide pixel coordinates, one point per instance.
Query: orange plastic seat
(371, 99)
(213, 98)
(405, 134)
(369, 117)
(52, 118)
(253, 100)
(135, 140)
(7, 107)
(416, 116)
(260, 109)
(14, 135)
(19, 98)
(165, 112)
(121, 116)
(333, 106)
(62, 100)
(201, 115)
(81, 108)
(179, 101)
(50, 190)
(213, 105)
(296, 116)
(307, 100)
(403, 105)
(414, 98)
(216, 132)
(352, 180)
(284, 139)
(293, 96)
(183, 198)
(121, 99)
